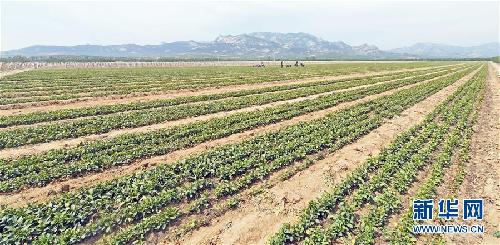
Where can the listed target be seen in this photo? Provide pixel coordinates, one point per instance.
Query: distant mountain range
(435, 50)
(263, 45)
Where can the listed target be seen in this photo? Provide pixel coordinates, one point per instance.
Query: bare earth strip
(9, 73)
(67, 143)
(41, 194)
(482, 173)
(6, 110)
(211, 101)
(201, 102)
(254, 222)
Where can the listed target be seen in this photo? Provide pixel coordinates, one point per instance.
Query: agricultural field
(321, 154)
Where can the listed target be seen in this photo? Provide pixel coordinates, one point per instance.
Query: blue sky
(385, 24)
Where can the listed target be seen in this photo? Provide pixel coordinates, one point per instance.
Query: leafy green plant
(148, 200)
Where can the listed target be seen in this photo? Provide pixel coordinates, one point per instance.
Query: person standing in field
(281, 64)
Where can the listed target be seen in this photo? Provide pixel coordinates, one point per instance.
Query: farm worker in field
(281, 64)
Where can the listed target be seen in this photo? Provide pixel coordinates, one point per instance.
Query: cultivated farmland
(321, 154)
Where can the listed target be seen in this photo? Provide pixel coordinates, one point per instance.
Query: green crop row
(230, 168)
(118, 89)
(233, 181)
(53, 79)
(396, 168)
(41, 169)
(105, 89)
(68, 83)
(102, 124)
(460, 114)
(46, 116)
(403, 233)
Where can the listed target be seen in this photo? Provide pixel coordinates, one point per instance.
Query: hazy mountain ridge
(259, 45)
(435, 50)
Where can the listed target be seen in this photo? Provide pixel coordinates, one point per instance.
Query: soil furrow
(67, 143)
(254, 223)
(482, 172)
(43, 193)
(13, 72)
(208, 101)
(6, 110)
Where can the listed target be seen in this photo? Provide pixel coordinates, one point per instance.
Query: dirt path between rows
(211, 101)
(497, 67)
(41, 194)
(482, 172)
(6, 110)
(8, 73)
(254, 222)
(67, 143)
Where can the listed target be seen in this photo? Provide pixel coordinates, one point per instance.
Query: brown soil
(406, 199)
(67, 143)
(202, 102)
(254, 222)
(8, 73)
(41, 194)
(6, 110)
(482, 172)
